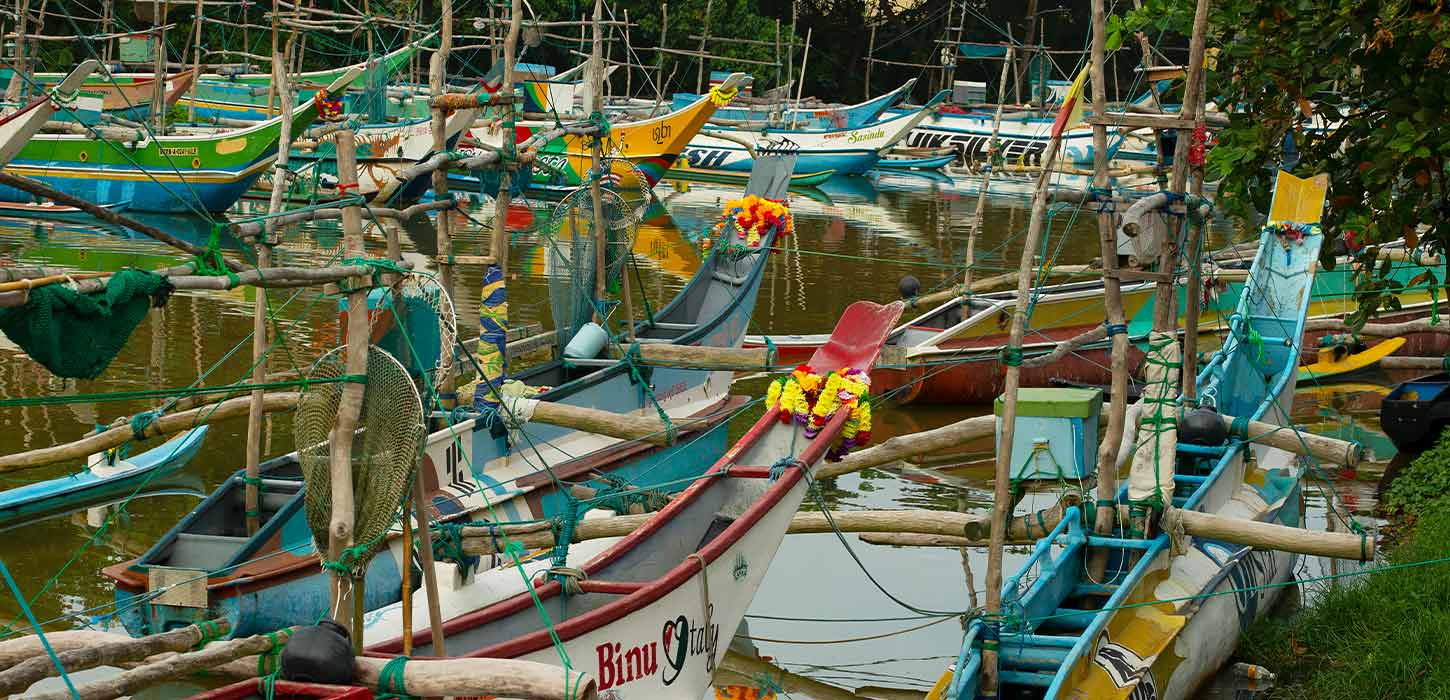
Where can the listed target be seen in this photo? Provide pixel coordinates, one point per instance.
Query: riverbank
(1380, 635)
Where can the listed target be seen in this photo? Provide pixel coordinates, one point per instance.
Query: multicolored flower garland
(327, 109)
(812, 401)
(752, 217)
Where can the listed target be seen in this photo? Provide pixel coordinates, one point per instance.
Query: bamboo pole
(165, 425)
(870, 49)
(195, 58)
(660, 55)
(1195, 227)
(1165, 314)
(986, 171)
(158, 93)
(128, 682)
(260, 338)
(800, 89)
(628, 59)
(601, 231)
(704, 37)
(340, 530)
(703, 357)
(1107, 478)
(272, 86)
(1001, 501)
(109, 653)
(436, 74)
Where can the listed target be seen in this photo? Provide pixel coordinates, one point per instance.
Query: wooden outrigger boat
(124, 95)
(105, 474)
(648, 614)
(652, 145)
(470, 469)
(19, 126)
(840, 117)
(244, 95)
(1164, 616)
(181, 173)
(846, 151)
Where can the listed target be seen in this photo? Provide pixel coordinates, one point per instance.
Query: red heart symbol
(669, 635)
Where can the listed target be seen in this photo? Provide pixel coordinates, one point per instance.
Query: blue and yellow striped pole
(493, 326)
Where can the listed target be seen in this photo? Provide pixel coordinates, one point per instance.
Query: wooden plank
(1151, 121)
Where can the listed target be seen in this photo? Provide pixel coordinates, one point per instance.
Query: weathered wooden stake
(340, 530)
(981, 210)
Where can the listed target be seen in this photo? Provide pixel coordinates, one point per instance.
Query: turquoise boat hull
(91, 485)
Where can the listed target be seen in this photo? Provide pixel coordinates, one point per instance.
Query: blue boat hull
(138, 189)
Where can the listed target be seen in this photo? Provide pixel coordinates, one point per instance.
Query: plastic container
(587, 343)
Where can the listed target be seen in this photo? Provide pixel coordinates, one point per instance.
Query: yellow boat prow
(1298, 200)
(1350, 363)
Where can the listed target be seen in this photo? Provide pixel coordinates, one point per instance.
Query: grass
(1383, 635)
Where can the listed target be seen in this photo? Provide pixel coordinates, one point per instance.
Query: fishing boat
(124, 95)
(105, 473)
(645, 616)
(651, 145)
(180, 173)
(19, 125)
(1416, 412)
(838, 117)
(916, 163)
(470, 469)
(684, 171)
(846, 151)
(254, 688)
(1022, 137)
(1165, 616)
(1339, 356)
(948, 354)
(383, 150)
(245, 95)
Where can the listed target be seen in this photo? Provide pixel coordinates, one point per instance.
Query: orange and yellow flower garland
(812, 401)
(752, 217)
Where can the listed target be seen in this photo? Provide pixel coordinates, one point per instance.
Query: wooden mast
(158, 93)
(601, 232)
(704, 37)
(1194, 99)
(1107, 483)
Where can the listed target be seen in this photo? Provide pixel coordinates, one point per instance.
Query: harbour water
(832, 607)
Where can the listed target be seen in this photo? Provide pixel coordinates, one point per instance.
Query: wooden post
(601, 232)
(340, 531)
(1002, 497)
(704, 37)
(196, 63)
(986, 173)
(1165, 296)
(777, 51)
(22, 65)
(800, 89)
(272, 86)
(1107, 484)
(436, 73)
(425, 562)
(790, 50)
(260, 338)
(158, 93)
(1026, 63)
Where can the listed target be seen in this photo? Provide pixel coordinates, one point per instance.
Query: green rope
(210, 632)
(390, 679)
(1010, 356)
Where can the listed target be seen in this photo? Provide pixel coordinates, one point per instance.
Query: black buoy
(1202, 426)
(321, 653)
(909, 286)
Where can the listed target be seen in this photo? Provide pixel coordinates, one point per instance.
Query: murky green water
(855, 239)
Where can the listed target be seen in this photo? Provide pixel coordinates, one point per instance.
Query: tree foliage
(1361, 89)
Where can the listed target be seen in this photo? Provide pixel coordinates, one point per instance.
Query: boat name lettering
(555, 161)
(706, 157)
(179, 150)
(660, 133)
(859, 136)
(675, 390)
(681, 640)
(972, 148)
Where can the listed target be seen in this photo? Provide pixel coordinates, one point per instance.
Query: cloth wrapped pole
(77, 335)
(493, 326)
(1154, 458)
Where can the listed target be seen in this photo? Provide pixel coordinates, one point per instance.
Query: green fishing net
(77, 335)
